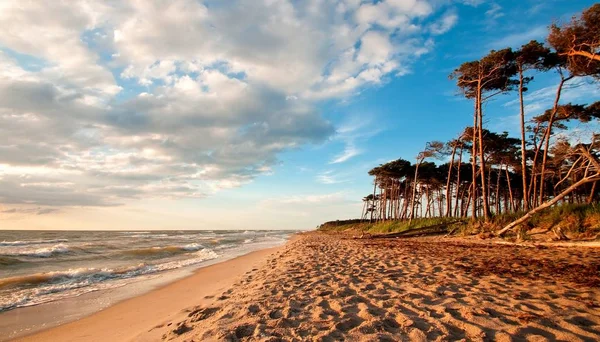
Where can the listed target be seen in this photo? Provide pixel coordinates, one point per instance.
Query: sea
(43, 266)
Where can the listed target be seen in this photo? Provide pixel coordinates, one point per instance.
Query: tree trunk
(549, 133)
(449, 183)
(440, 203)
(523, 141)
(484, 192)
(547, 204)
(532, 192)
(498, 189)
(591, 56)
(427, 199)
(469, 199)
(458, 180)
(414, 194)
(381, 207)
(373, 199)
(510, 193)
(474, 164)
(591, 198)
(406, 200)
(363, 212)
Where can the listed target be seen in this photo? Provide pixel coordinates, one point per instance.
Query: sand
(134, 319)
(334, 287)
(327, 288)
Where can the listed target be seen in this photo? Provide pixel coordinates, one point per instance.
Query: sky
(241, 114)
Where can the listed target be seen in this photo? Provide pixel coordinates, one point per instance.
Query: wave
(6, 261)
(146, 236)
(226, 246)
(40, 288)
(39, 252)
(192, 247)
(164, 250)
(31, 242)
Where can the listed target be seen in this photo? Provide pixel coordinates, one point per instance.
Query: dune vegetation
(560, 222)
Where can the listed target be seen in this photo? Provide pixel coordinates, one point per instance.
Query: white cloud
(331, 177)
(445, 23)
(349, 151)
(375, 48)
(494, 12)
(309, 199)
(354, 132)
(135, 99)
(473, 3)
(53, 32)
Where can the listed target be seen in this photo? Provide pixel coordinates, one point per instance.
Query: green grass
(394, 226)
(573, 218)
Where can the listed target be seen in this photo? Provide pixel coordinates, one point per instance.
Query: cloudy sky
(202, 114)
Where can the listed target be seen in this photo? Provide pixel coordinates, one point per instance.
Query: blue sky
(238, 114)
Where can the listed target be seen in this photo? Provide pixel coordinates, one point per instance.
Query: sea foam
(51, 286)
(44, 252)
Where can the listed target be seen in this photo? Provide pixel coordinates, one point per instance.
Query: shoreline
(133, 312)
(326, 286)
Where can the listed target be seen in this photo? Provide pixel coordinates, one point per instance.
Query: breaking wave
(31, 242)
(44, 287)
(163, 250)
(38, 252)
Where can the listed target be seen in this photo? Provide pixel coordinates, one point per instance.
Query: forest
(487, 173)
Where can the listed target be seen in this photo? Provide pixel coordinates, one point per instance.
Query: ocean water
(42, 266)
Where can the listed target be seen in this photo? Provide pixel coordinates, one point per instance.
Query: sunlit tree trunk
(498, 189)
(373, 199)
(510, 193)
(474, 165)
(523, 141)
(484, 193)
(414, 194)
(458, 185)
(591, 197)
(449, 182)
(548, 133)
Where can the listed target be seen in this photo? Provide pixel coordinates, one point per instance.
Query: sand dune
(325, 287)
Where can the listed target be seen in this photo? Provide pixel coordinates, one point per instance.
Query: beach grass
(576, 219)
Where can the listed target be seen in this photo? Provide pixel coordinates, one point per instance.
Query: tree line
(491, 173)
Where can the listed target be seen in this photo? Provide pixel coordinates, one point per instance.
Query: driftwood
(590, 164)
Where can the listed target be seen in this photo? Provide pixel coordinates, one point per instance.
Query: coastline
(131, 312)
(326, 286)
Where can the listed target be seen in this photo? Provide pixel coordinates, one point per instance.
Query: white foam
(31, 242)
(74, 282)
(38, 252)
(192, 247)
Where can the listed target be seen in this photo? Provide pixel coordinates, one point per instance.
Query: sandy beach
(329, 287)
